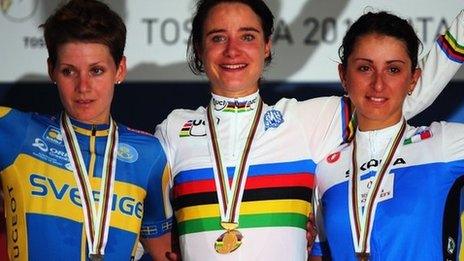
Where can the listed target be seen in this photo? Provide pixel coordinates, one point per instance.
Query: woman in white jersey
(392, 193)
(243, 171)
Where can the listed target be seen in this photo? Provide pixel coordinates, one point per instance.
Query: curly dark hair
(382, 23)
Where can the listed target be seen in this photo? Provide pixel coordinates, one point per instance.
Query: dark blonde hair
(88, 21)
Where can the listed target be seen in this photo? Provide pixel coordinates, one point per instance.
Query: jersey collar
(87, 129)
(235, 105)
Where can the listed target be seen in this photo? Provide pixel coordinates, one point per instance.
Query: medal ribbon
(96, 221)
(230, 197)
(362, 221)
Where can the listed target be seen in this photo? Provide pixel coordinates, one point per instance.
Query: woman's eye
(394, 70)
(248, 37)
(364, 68)
(66, 71)
(218, 38)
(97, 71)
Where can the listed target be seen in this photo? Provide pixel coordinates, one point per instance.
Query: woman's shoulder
(186, 113)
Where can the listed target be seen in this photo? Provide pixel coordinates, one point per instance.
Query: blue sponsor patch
(127, 153)
(272, 119)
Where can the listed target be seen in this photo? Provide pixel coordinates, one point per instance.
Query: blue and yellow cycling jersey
(42, 204)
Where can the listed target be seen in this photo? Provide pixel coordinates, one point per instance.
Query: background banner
(305, 50)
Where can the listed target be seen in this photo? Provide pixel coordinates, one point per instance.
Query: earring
(54, 83)
(118, 82)
(409, 92)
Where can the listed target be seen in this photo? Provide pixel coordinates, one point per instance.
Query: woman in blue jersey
(393, 192)
(242, 170)
(78, 185)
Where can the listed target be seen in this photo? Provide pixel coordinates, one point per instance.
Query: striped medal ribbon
(230, 196)
(96, 220)
(362, 221)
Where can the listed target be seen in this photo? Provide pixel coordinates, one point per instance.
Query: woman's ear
(267, 49)
(342, 75)
(416, 74)
(121, 70)
(50, 67)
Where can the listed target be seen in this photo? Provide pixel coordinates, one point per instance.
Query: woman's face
(377, 78)
(85, 74)
(233, 49)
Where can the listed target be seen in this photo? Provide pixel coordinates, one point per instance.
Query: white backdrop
(308, 34)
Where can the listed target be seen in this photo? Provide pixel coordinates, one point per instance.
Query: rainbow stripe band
(298, 193)
(275, 195)
(237, 106)
(349, 122)
(268, 181)
(246, 221)
(185, 131)
(453, 50)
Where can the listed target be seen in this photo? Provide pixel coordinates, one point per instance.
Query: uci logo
(18, 10)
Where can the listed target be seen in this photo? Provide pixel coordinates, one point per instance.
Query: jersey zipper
(92, 152)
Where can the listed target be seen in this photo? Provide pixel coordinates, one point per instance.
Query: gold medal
(228, 242)
(229, 202)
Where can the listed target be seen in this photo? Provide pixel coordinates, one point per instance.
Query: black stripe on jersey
(302, 193)
(451, 49)
(451, 221)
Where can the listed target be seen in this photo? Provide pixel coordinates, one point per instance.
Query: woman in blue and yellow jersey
(78, 185)
(242, 170)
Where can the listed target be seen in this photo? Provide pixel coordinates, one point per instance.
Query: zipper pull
(94, 130)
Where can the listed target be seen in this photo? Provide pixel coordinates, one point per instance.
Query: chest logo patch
(53, 135)
(127, 153)
(272, 119)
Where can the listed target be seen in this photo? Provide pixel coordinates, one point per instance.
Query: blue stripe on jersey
(254, 170)
(54, 238)
(9, 135)
(420, 189)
